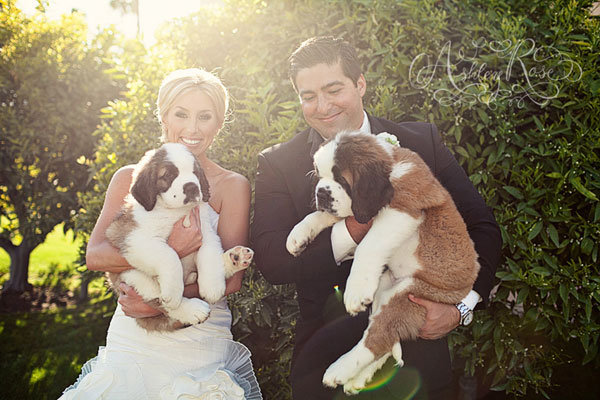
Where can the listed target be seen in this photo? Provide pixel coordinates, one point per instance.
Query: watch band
(466, 314)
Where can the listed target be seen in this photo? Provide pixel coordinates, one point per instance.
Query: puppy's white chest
(404, 261)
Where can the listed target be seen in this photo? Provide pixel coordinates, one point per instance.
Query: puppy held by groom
(328, 79)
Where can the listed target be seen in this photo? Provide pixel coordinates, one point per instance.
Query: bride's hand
(186, 240)
(133, 304)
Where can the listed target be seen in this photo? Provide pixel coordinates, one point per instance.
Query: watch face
(468, 318)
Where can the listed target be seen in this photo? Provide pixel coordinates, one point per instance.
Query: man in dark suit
(327, 77)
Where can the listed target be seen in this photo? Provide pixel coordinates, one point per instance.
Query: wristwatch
(466, 314)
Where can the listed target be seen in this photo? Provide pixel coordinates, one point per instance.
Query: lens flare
(390, 382)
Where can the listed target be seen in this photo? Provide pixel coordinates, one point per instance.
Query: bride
(200, 361)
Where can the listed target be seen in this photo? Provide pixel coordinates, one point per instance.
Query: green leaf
(576, 182)
(588, 309)
(537, 228)
(522, 296)
(538, 123)
(541, 271)
(553, 233)
(563, 291)
(499, 348)
(587, 245)
(514, 192)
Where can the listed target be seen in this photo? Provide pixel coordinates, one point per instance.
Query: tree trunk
(19, 269)
(83, 294)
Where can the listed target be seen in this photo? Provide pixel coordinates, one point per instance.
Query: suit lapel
(306, 188)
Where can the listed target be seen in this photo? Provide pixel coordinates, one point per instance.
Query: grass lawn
(58, 252)
(41, 352)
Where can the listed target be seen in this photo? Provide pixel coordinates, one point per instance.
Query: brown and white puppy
(167, 183)
(417, 233)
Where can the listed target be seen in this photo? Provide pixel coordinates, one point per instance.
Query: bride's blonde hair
(182, 81)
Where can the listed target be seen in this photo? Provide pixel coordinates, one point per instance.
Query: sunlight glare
(100, 15)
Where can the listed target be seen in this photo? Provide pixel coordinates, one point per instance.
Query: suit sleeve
(274, 217)
(480, 221)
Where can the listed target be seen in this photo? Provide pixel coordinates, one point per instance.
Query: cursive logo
(507, 70)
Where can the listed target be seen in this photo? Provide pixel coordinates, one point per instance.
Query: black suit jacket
(284, 195)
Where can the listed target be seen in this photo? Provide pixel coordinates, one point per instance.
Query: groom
(328, 79)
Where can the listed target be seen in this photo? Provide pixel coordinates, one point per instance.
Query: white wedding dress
(198, 362)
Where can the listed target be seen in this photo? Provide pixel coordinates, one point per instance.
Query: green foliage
(41, 353)
(53, 83)
(529, 146)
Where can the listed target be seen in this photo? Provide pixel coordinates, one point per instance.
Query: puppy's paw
(351, 389)
(359, 294)
(200, 310)
(299, 238)
(356, 301)
(338, 373)
(237, 259)
(191, 311)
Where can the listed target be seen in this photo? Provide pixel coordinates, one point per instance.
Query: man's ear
(371, 192)
(361, 85)
(145, 188)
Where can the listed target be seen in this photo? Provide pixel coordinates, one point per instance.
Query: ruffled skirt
(198, 362)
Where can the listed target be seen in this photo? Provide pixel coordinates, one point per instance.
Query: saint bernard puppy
(167, 183)
(418, 244)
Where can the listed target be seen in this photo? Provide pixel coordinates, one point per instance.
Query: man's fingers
(422, 302)
(124, 288)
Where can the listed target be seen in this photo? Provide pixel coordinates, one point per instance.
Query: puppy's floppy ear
(371, 190)
(204, 186)
(144, 188)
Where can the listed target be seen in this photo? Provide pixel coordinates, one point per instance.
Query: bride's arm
(234, 220)
(100, 254)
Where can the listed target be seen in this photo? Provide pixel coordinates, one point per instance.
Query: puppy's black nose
(191, 191)
(324, 199)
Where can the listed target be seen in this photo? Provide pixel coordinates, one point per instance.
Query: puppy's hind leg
(348, 366)
(144, 285)
(190, 311)
(163, 263)
(359, 382)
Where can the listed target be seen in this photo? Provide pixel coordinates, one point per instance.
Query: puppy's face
(354, 171)
(333, 191)
(171, 176)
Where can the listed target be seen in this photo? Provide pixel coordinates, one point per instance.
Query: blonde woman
(201, 360)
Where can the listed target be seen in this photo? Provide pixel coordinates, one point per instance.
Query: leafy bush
(524, 125)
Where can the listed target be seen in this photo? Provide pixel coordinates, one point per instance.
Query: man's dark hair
(325, 50)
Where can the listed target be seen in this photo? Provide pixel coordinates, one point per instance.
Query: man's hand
(186, 239)
(357, 230)
(440, 318)
(133, 304)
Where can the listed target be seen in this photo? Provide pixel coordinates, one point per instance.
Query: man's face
(330, 101)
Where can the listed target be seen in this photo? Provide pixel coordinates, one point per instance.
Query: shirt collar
(366, 126)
